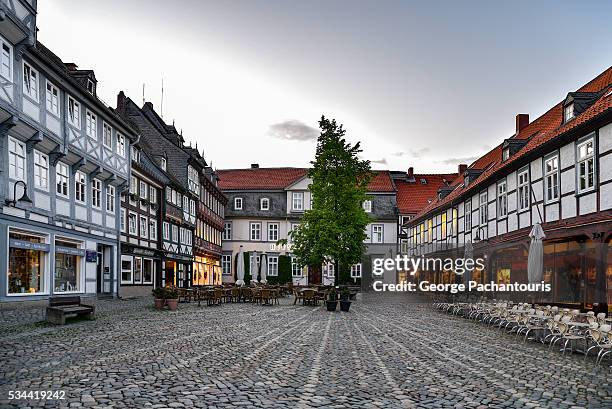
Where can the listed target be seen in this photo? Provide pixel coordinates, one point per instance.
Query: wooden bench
(61, 307)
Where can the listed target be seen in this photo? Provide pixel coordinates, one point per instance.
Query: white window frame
(107, 135)
(226, 261)
(18, 163)
(120, 144)
(110, 199)
(272, 266)
(163, 164)
(41, 171)
(255, 231)
(273, 228)
(133, 185)
(132, 228)
(152, 263)
(166, 231)
(96, 193)
(143, 229)
(264, 203)
(80, 187)
(568, 112)
(152, 194)
(502, 199)
(62, 179)
(123, 223)
(523, 190)
(551, 178)
(52, 98)
(74, 112)
(356, 270)
(467, 217)
(175, 234)
(296, 269)
(192, 207)
(374, 233)
(367, 206)
(131, 269)
(152, 229)
(238, 203)
(227, 231)
(582, 165)
(31, 81)
(483, 212)
(6, 61)
(143, 189)
(91, 124)
(297, 201)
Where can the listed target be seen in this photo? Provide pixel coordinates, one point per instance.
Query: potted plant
(171, 296)
(345, 302)
(332, 300)
(159, 295)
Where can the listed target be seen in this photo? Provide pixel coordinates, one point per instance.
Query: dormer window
(423, 181)
(91, 87)
(367, 206)
(568, 112)
(264, 204)
(163, 164)
(506, 154)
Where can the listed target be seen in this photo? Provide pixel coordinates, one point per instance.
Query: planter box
(331, 305)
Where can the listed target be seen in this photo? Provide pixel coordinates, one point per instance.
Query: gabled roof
(381, 182)
(539, 132)
(412, 196)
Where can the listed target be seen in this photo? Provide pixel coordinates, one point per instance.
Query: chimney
(148, 105)
(121, 102)
(462, 169)
(70, 66)
(410, 172)
(254, 165)
(522, 120)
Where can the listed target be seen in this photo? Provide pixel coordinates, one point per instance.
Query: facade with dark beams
(555, 170)
(64, 158)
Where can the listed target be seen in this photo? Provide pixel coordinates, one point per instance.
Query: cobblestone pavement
(385, 353)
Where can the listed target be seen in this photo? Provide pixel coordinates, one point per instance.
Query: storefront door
(103, 272)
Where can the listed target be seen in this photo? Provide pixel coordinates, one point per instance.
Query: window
(61, 179)
(166, 231)
(502, 199)
(132, 223)
(296, 269)
(163, 163)
(122, 224)
(551, 178)
(568, 112)
(467, 217)
(96, 193)
(52, 99)
(403, 246)
(30, 81)
(506, 154)
(185, 204)
(367, 206)
(17, 159)
(264, 204)
(133, 185)
(27, 263)
(6, 64)
(272, 266)
(91, 88)
(74, 112)
(192, 207)
(120, 145)
(110, 199)
(297, 201)
(91, 125)
(68, 260)
(143, 190)
(328, 269)
(523, 189)
(377, 233)
(41, 170)
(454, 221)
(147, 271)
(126, 269)
(152, 195)
(586, 165)
(238, 203)
(79, 187)
(273, 232)
(144, 228)
(175, 233)
(255, 231)
(443, 226)
(153, 229)
(227, 231)
(482, 207)
(356, 270)
(107, 137)
(192, 179)
(226, 264)
(135, 154)
(430, 230)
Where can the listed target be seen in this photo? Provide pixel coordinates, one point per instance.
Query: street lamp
(24, 198)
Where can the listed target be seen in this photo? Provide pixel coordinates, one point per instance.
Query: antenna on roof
(161, 109)
(143, 93)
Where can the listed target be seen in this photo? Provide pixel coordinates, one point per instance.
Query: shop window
(27, 255)
(147, 271)
(68, 260)
(137, 270)
(126, 269)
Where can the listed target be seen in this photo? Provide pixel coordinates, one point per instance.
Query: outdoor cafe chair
(264, 296)
(298, 296)
(569, 337)
(308, 297)
(605, 345)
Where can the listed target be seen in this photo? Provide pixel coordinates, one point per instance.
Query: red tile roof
(542, 130)
(280, 178)
(414, 196)
(259, 178)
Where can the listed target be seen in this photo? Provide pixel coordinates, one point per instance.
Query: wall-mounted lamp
(24, 198)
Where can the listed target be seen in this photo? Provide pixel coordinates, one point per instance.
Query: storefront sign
(28, 245)
(144, 252)
(70, 250)
(91, 256)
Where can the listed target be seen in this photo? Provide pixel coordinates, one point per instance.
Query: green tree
(334, 228)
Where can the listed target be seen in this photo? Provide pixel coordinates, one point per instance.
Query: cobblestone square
(386, 353)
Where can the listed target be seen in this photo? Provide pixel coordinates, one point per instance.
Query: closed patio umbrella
(263, 268)
(468, 255)
(240, 268)
(535, 261)
(253, 268)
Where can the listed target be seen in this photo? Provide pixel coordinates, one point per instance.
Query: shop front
(207, 270)
(175, 272)
(139, 269)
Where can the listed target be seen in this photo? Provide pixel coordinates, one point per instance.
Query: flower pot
(345, 305)
(331, 305)
(159, 303)
(172, 304)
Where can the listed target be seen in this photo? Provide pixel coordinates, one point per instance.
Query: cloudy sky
(424, 84)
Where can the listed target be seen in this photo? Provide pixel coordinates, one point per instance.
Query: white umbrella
(264, 268)
(468, 255)
(535, 262)
(240, 268)
(253, 268)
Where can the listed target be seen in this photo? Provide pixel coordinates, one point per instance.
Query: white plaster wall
(588, 203)
(568, 207)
